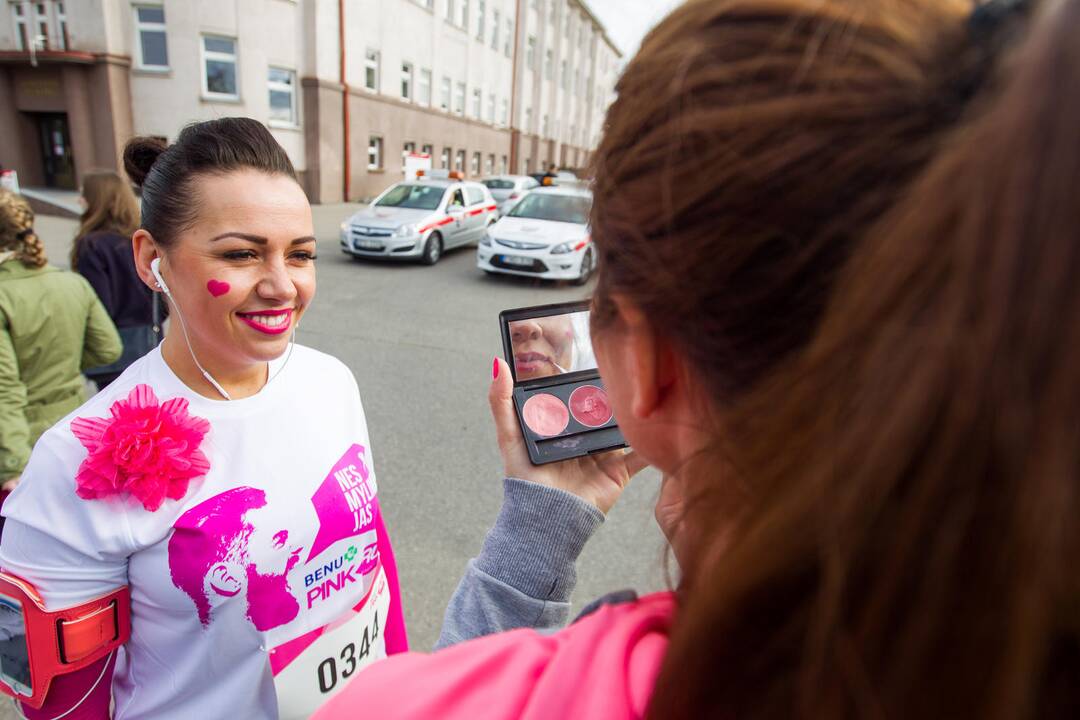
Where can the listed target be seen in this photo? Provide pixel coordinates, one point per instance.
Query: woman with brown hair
(874, 513)
(102, 254)
(52, 326)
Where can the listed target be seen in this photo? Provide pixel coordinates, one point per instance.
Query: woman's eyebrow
(259, 239)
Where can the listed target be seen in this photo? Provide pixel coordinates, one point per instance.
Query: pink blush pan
(590, 407)
(545, 414)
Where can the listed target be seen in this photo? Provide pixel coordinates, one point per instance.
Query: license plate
(367, 245)
(515, 260)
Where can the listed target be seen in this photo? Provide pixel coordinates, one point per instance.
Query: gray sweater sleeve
(525, 572)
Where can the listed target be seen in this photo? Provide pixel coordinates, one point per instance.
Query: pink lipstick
(269, 322)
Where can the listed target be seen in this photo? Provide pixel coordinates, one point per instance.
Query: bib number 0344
(351, 656)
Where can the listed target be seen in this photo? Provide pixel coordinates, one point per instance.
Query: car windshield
(560, 208)
(417, 197)
(499, 184)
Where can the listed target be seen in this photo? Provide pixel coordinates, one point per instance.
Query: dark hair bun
(140, 153)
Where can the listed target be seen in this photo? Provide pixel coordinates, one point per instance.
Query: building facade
(346, 86)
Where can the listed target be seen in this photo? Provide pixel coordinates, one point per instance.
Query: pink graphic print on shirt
(210, 543)
(209, 546)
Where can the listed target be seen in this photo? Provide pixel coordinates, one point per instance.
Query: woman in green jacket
(52, 326)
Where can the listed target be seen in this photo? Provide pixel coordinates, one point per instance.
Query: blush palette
(561, 403)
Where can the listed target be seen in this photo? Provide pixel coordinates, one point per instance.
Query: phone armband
(36, 644)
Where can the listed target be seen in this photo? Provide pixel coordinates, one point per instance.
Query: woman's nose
(527, 330)
(277, 284)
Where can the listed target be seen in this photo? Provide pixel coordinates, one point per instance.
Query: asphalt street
(420, 341)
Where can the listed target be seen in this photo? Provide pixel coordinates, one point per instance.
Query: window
(481, 20)
(495, 30)
(554, 11)
(489, 169)
(406, 81)
(547, 127)
(474, 170)
(528, 119)
(549, 62)
(219, 67)
(449, 11)
(374, 153)
(463, 18)
(151, 43)
(61, 22)
(428, 149)
(504, 165)
(530, 53)
(423, 95)
(22, 34)
(282, 86)
(508, 45)
(371, 70)
(459, 98)
(477, 101)
(491, 108)
(563, 75)
(459, 161)
(444, 160)
(41, 22)
(444, 96)
(505, 114)
(426, 4)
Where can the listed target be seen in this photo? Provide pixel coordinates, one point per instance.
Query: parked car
(508, 189)
(420, 220)
(545, 235)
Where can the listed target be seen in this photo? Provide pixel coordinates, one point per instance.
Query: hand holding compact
(598, 479)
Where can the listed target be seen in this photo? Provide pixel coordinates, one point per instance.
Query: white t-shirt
(260, 591)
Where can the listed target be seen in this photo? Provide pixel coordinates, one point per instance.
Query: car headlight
(486, 240)
(561, 249)
(345, 226)
(405, 231)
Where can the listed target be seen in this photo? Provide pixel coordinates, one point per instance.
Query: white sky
(627, 21)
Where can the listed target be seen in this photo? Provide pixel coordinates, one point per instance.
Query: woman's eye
(304, 256)
(239, 255)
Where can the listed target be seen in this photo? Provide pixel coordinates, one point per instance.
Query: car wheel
(587, 267)
(433, 249)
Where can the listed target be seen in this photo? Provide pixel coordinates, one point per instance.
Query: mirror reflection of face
(542, 346)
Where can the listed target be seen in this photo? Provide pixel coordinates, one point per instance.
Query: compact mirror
(561, 403)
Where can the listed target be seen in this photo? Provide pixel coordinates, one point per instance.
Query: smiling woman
(220, 530)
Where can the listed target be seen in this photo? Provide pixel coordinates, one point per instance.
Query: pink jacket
(603, 666)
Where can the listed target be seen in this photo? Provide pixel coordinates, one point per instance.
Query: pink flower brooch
(147, 449)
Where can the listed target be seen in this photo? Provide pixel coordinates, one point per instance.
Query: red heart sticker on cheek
(217, 288)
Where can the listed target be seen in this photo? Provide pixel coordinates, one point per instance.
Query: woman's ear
(650, 361)
(145, 250)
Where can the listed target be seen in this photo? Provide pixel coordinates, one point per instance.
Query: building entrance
(57, 157)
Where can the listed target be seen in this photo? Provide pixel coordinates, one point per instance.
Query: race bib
(311, 668)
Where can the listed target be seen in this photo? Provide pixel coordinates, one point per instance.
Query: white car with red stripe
(545, 235)
(420, 220)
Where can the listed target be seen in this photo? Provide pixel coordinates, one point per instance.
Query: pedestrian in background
(838, 306)
(52, 327)
(102, 254)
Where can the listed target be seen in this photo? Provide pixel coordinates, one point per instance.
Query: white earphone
(155, 270)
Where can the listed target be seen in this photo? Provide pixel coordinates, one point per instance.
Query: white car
(419, 220)
(508, 189)
(545, 235)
